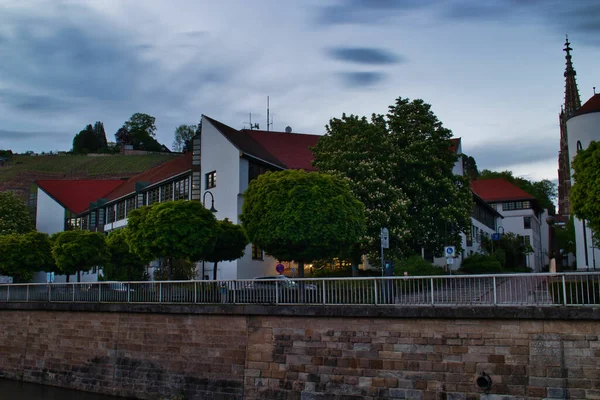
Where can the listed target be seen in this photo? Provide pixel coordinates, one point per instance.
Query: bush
(416, 266)
(481, 264)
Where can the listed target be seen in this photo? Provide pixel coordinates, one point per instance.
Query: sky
(491, 69)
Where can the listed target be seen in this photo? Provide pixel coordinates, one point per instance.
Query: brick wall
(194, 356)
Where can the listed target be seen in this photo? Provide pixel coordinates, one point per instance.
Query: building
(578, 127)
(521, 215)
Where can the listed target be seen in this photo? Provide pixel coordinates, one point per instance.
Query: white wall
(50, 215)
(583, 128)
(513, 222)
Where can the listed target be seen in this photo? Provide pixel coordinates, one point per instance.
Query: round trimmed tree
(24, 255)
(231, 240)
(181, 229)
(76, 251)
(302, 216)
(14, 215)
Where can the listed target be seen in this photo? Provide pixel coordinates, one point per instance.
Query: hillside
(22, 170)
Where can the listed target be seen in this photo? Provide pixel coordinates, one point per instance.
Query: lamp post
(213, 210)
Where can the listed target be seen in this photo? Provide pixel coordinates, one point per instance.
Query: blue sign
(450, 251)
(495, 237)
(279, 268)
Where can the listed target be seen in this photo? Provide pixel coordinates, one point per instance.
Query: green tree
(88, 140)
(100, 135)
(565, 237)
(183, 134)
(141, 130)
(123, 137)
(470, 167)
(181, 229)
(400, 166)
(511, 250)
(14, 215)
(544, 191)
(585, 192)
(300, 216)
(231, 240)
(25, 254)
(124, 265)
(76, 251)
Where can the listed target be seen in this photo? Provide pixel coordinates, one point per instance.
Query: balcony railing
(572, 289)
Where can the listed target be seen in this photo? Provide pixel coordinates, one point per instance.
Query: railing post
(235, 284)
(160, 292)
(27, 295)
(195, 292)
(432, 295)
(8, 293)
(495, 294)
(99, 292)
(564, 285)
(324, 301)
(73, 297)
(277, 292)
(375, 291)
(129, 292)
(49, 292)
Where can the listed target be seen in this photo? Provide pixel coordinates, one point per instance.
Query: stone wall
(173, 352)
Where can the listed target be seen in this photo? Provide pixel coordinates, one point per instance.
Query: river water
(14, 390)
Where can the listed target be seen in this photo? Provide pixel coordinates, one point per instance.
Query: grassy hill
(18, 174)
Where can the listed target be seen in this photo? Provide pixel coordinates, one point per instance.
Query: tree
(585, 192)
(76, 251)
(181, 229)
(470, 167)
(139, 131)
(183, 134)
(544, 191)
(565, 237)
(231, 240)
(25, 254)
(400, 166)
(14, 215)
(91, 139)
(300, 216)
(124, 265)
(100, 135)
(511, 250)
(123, 137)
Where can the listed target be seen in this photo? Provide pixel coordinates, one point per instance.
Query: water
(14, 390)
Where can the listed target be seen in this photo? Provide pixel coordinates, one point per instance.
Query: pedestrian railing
(581, 289)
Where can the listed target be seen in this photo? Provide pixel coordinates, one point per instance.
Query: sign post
(385, 244)
(450, 253)
(279, 268)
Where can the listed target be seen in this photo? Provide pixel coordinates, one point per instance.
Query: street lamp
(212, 209)
(212, 205)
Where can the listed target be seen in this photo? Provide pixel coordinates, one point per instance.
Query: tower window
(211, 180)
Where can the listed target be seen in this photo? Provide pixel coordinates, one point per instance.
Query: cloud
(494, 154)
(360, 79)
(366, 11)
(365, 55)
(15, 135)
(34, 103)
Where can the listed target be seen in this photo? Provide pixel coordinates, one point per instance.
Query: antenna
(594, 89)
(269, 122)
(255, 126)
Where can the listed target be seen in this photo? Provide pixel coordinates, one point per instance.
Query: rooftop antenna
(594, 89)
(269, 122)
(252, 126)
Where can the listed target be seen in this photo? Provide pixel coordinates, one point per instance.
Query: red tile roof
(291, 149)
(76, 195)
(164, 171)
(498, 189)
(590, 106)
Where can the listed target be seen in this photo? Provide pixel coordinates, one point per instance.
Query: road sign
(449, 261)
(450, 251)
(495, 237)
(279, 268)
(385, 238)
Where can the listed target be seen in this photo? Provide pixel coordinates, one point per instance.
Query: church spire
(572, 101)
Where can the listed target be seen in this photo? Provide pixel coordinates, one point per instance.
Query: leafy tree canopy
(183, 134)
(139, 131)
(91, 139)
(470, 167)
(181, 229)
(585, 192)
(565, 237)
(295, 215)
(511, 250)
(231, 240)
(25, 254)
(14, 215)
(124, 265)
(76, 251)
(544, 191)
(400, 166)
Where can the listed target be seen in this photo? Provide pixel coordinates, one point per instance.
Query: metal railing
(572, 289)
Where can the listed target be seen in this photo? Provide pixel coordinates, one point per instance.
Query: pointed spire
(572, 100)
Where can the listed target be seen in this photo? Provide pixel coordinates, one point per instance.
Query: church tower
(572, 104)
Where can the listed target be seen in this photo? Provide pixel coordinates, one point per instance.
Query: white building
(583, 127)
(521, 215)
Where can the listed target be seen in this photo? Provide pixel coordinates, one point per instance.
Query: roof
(291, 149)
(76, 195)
(590, 106)
(157, 174)
(498, 189)
(455, 144)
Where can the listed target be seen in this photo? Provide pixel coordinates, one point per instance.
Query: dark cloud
(33, 103)
(15, 135)
(365, 55)
(361, 79)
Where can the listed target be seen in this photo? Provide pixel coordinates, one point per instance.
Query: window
(130, 204)
(516, 205)
(526, 239)
(166, 193)
(211, 180)
(181, 189)
(153, 196)
(110, 214)
(469, 237)
(121, 210)
(257, 253)
(254, 170)
(527, 222)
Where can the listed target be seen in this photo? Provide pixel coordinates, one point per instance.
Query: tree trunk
(78, 276)
(354, 269)
(68, 278)
(300, 269)
(170, 262)
(215, 271)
